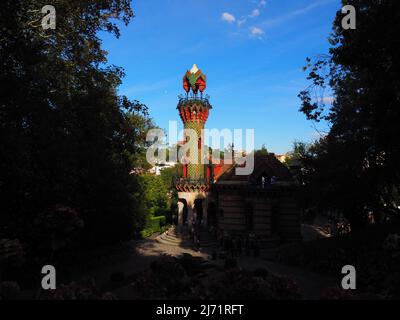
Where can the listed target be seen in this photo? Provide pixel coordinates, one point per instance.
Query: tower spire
(194, 113)
(194, 68)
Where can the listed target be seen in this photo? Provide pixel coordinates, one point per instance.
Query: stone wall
(272, 215)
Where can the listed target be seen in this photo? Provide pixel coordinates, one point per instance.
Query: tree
(262, 152)
(295, 156)
(66, 138)
(355, 167)
(155, 194)
(141, 124)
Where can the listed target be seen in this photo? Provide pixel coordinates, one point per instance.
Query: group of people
(232, 246)
(235, 245)
(194, 233)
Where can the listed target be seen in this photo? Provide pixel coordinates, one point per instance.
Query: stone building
(213, 195)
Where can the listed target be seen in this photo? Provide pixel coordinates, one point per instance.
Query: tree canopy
(66, 137)
(355, 168)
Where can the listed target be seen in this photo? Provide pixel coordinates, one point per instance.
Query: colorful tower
(194, 184)
(194, 110)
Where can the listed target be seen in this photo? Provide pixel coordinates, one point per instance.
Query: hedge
(153, 225)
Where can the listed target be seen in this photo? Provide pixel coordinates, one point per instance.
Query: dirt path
(142, 253)
(137, 258)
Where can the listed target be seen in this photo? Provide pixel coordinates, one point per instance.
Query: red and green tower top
(194, 110)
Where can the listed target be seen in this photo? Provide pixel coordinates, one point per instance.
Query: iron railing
(194, 99)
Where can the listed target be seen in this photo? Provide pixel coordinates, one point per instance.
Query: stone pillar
(181, 207)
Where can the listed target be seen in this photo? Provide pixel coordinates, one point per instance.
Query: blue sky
(252, 52)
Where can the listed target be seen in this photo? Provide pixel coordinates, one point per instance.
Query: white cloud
(255, 13)
(263, 3)
(256, 32)
(240, 22)
(228, 17)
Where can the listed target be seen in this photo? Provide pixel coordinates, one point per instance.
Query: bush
(57, 227)
(9, 290)
(12, 258)
(153, 225)
(165, 279)
(336, 293)
(373, 251)
(85, 289)
(191, 277)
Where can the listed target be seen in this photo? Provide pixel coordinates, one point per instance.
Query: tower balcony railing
(183, 99)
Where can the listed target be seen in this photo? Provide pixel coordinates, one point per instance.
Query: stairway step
(170, 239)
(174, 238)
(177, 244)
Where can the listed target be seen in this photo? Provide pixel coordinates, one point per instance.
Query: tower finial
(194, 69)
(194, 79)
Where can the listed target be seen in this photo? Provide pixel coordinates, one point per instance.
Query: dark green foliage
(66, 137)
(159, 195)
(355, 167)
(9, 290)
(337, 293)
(189, 277)
(154, 225)
(85, 289)
(166, 279)
(369, 250)
(262, 152)
(155, 194)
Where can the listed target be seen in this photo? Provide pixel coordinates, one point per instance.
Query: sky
(252, 52)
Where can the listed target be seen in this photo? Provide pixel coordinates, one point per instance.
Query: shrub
(188, 277)
(12, 258)
(83, 290)
(9, 290)
(153, 225)
(336, 293)
(373, 251)
(166, 279)
(57, 227)
(11, 252)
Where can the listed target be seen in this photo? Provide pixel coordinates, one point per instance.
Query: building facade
(214, 196)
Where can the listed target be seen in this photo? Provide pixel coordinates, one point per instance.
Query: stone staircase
(175, 237)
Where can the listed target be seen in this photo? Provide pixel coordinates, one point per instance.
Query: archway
(182, 212)
(198, 206)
